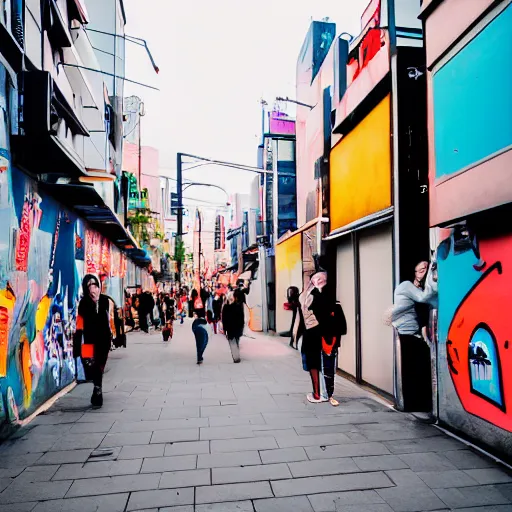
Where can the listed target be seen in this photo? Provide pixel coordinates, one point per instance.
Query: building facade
(470, 141)
(60, 195)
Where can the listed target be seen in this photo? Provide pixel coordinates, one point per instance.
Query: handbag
(87, 355)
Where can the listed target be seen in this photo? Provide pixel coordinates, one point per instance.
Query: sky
(217, 60)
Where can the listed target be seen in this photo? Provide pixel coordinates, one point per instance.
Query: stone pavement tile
(91, 428)
(410, 494)
(175, 435)
(65, 457)
(487, 476)
(16, 461)
(276, 433)
(380, 463)
(431, 444)
(201, 402)
(192, 478)
(29, 444)
(141, 451)
(506, 490)
(240, 445)
(160, 498)
(348, 450)
(125, 439)
(57, 418)
(11, 472)
(228, 460)
(377, 507)
(19, 492)
(161, 464)
(322, 439)
(147, 426)
(402, 434)
(20, 507)
(321, 467)
(187, 448)
(113, 485)
(235, 432)
(233, 492)
(98, 469)
(234, 506)
(320, 484)
(426, 462)
(446, 479)
(221, 410)
(329, 501)
(293, 504)
(77, 441)
(467, 459)
(325, 429)
(219, 393)
(179, 508)
(231, 421)
(478, 496)
(171, 413)
(488, 508)
(38, 474)
(5, 482)
(103, 417)
(250, 473)
(110, 503)
(283, 455)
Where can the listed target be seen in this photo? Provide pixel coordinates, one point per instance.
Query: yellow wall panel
(360, 174)
(288, 273)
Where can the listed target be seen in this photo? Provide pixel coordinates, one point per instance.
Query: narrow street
(226, 437)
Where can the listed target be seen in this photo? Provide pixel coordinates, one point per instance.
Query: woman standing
(95, 326)
(233, 324)
(316, 311)
(415, 353)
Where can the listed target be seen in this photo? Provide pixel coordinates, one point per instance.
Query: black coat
(233, 320)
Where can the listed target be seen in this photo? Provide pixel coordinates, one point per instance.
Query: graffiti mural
(475, 284)
(39, 290)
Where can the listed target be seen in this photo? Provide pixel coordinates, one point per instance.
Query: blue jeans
(201, 335)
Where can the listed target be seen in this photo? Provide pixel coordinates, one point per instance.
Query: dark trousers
(329, 367)
(201, 336)
(100, 361)
(143, 320)
(416, 374)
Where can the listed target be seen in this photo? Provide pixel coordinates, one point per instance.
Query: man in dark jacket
(95, 326)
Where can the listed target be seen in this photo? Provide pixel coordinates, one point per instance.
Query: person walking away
(182, 306)
(416, 364)
(95, 329)
(312, 339)
(293, 301)
(217, 311)
(142, 310)
(200, 330)
(233, 324)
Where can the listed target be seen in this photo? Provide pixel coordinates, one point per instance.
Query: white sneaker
(313, 400)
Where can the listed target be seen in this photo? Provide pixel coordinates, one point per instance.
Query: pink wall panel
(448, 21)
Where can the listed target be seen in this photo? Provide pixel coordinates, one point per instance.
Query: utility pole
(179, 234)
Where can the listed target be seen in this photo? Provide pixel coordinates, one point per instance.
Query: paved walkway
(223, 437)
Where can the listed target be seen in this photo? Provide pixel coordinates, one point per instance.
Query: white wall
(376, 278)
(345, 293)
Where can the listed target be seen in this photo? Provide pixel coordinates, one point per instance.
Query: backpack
(340, 322)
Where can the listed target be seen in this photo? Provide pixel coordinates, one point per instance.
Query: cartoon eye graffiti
(478, 353)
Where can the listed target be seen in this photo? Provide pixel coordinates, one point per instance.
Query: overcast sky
(217, 60)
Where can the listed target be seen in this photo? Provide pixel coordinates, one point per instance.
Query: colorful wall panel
(472, 100)
(360, 172)
(474, 336)
(288, 273)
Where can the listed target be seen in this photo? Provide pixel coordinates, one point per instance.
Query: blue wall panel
(473, 99)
